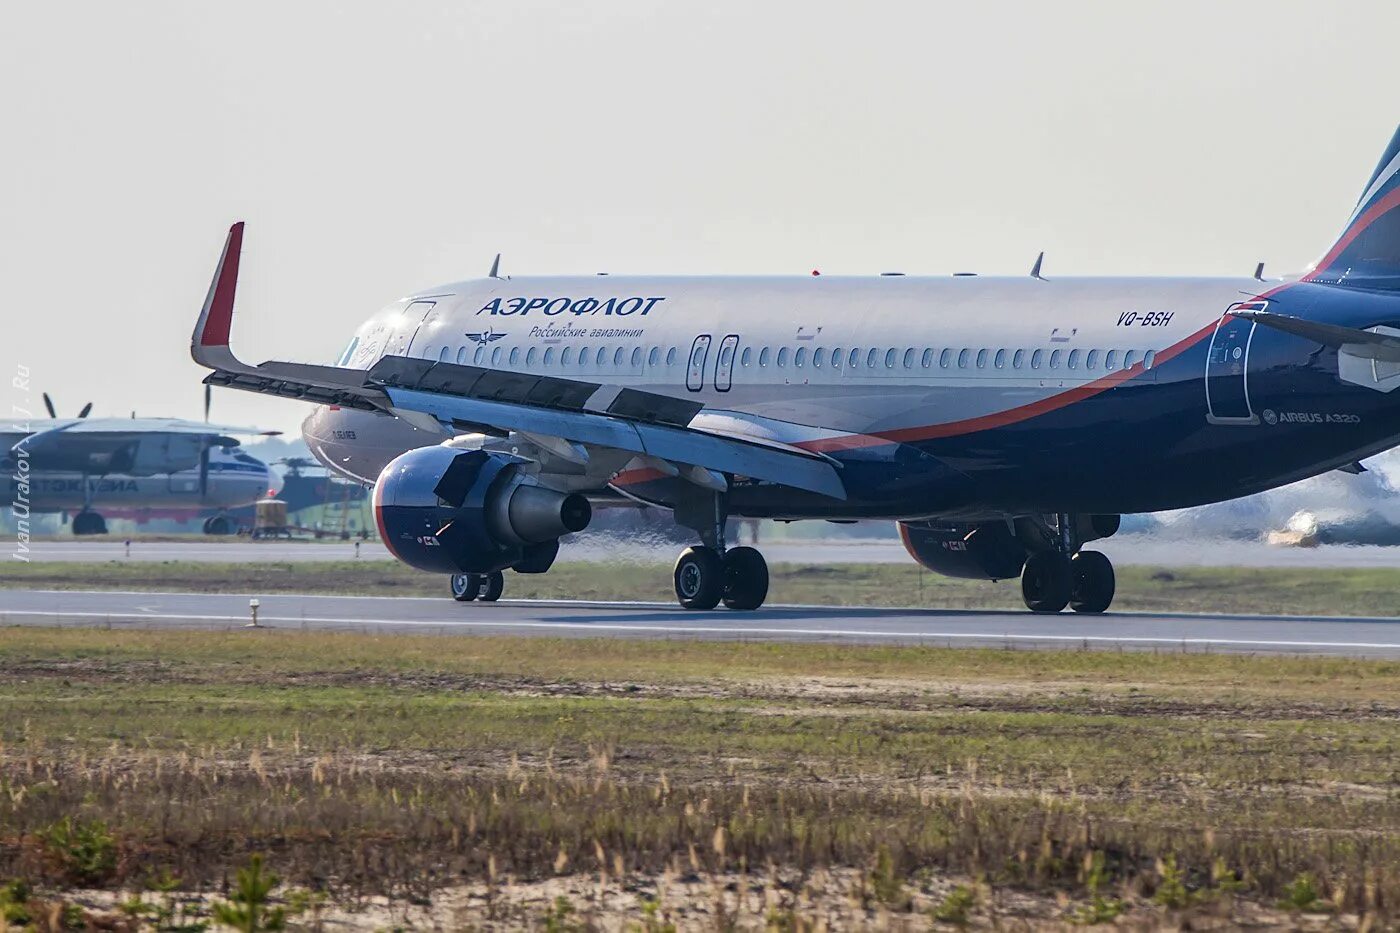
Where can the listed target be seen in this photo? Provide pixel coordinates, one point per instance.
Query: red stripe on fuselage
(1010, 416)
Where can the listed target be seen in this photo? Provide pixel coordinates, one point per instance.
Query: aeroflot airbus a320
(1002, 422)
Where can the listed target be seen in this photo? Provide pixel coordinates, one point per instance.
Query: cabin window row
(837, 357)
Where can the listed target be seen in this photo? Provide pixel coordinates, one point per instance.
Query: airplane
(1003, 422)
(160, 464)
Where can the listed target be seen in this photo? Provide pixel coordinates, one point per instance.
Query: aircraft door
(1227, 371)
(699, 353)
(411, 319)
(724, 363)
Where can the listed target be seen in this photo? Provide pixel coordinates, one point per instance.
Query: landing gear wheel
(206, 526)
(745, 578)
(465, 586)
(1093, 582)
(699, 577)
(1045, 582)
(493, 587)
(219, 525)
(89, 523)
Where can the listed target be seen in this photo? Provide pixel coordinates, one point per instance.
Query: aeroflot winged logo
(485, 337)
(621, 307)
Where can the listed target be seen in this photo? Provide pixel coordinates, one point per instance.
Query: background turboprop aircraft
(82, 464)
(1003, 422)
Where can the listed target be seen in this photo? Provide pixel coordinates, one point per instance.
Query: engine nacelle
(977, 552)
(446, 510)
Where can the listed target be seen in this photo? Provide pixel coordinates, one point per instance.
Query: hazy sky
(375, 149)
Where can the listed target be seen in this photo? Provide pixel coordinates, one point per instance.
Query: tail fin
(1367, 255)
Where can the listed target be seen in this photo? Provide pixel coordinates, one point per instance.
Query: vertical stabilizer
(1367, 255)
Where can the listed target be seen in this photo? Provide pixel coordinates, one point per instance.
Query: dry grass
(415, 767)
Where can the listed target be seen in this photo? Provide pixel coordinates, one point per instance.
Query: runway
(1124, 550)
(1354, 637)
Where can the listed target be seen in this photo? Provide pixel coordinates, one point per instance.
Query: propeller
(208, 399)
(53, 413)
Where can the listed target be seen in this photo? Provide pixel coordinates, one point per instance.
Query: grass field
(1320, 591)
(475, 781)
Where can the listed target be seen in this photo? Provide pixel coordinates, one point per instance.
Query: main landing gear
(486, 587)
(1063, 575)
(709, 573)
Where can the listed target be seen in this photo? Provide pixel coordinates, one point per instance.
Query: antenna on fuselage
(1035, 269)
(495, 267)
(1259, 272)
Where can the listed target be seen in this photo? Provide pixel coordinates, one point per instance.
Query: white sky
(375, 149)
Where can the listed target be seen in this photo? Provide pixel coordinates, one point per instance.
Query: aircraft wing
(1363, 343)
(473, 399)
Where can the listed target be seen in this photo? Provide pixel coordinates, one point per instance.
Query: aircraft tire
(1046, 582)
(89, 523)
(494, 585)
(220, 525)
(745, 579)
(1093, 582)
(699, 578)
(465, 586)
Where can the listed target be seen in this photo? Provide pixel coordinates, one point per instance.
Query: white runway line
(725, 630)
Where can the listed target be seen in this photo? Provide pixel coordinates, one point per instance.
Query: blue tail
(1367, 255)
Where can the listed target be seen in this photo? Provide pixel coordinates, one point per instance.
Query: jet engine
(977, 552)
(447, 510)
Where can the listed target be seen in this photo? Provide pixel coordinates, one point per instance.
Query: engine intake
(446, 510)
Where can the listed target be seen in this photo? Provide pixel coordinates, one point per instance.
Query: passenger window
(671, 357)
(617, 356)
(1055, 358)
(1073, 360)
(726, 353)
(496, 356)
(928, 358)
(964, 357)
(871, 358)
(800, 357)
(890, 355)
(1018, 359)
(654, 356)
(981, 359)
(479, 355)
(566, 357)
(1110, 360)
(782, 356)
(1036, 358)
(836, 358)
(746, 357)
(549, 356)
(442, 355)
(461, 356)
(1129, 359)
(819, 357)
(530, 357)
(945, 359)
(763, 356)
(999, 361)
(514, 356)
(854, 361)
(636, 357)
(1150, 359)
(602, 356)
(1092, 360)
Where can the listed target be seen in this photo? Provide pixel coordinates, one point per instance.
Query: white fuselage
(793, 359)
